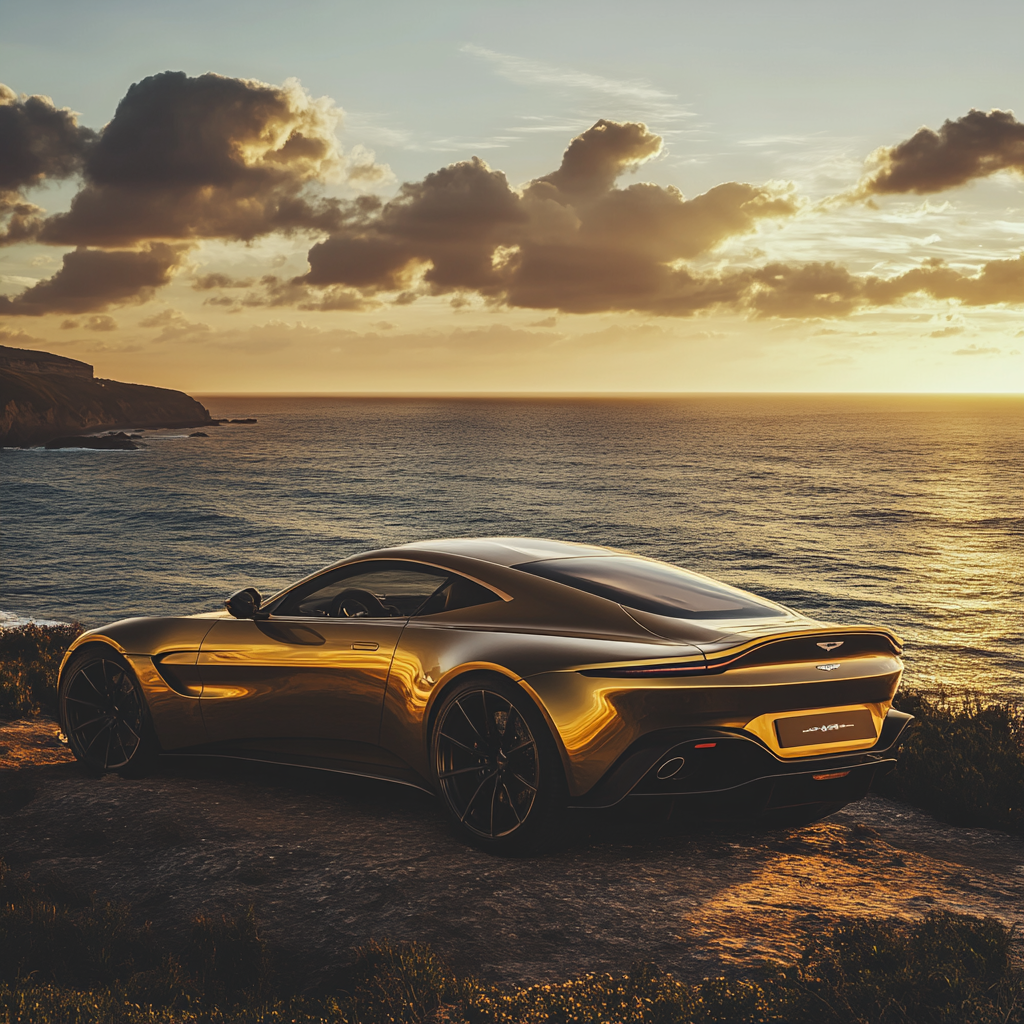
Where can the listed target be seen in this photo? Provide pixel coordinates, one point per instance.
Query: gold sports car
(514, 678)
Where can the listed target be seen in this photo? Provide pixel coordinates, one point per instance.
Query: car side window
(370, 590)
(457, 593)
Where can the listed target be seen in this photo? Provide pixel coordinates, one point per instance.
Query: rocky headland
(45, 396)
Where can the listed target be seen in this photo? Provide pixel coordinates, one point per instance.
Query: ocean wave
(10, 620)
(67, 451)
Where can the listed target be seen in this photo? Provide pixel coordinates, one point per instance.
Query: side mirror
(244, 604)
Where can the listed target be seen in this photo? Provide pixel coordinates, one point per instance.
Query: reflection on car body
(513, 677)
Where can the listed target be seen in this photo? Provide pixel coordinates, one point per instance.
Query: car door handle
(364, 646)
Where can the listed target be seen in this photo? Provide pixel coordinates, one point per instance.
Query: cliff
(27, 360)
(39, 404)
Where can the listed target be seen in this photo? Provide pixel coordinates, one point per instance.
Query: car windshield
(653, 587)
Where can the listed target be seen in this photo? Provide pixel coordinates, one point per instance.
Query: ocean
(903, 511)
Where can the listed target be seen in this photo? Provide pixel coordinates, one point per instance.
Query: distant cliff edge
(44, 395)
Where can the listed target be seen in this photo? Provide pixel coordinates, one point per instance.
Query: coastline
(41, 398)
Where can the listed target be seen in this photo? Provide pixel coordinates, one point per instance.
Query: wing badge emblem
(831, 646)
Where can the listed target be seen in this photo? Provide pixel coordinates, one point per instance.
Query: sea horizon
(874, 509)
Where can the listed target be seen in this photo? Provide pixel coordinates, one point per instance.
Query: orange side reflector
(830, 775)
(702, 746)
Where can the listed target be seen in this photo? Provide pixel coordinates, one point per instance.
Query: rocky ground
(330, 862)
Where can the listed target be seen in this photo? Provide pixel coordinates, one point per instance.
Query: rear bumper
(729, 773)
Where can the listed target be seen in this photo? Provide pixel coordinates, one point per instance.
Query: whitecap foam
(9, 620)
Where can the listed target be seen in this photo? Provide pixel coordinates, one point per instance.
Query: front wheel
(496, 768)
(104, 716)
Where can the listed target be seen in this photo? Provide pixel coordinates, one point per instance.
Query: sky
(746, 195)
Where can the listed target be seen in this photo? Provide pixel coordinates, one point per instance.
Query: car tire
(104, 716)
(496, 768)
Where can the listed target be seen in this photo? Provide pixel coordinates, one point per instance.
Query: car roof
(506, 550)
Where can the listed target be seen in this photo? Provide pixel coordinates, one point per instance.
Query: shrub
(55, 942)
(946, 969)
(227, 959)
(963, 760)
(29, 659)
(91, 965)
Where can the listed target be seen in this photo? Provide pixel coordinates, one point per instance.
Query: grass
(29, 659)
(963, 760)
(66, 959)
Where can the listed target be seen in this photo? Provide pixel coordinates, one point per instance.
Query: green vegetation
(65, 959)
(963, 760)
(29, 659)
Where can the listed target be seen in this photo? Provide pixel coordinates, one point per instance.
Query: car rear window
(655, 587)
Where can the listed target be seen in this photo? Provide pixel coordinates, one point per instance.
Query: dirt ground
(330, 861)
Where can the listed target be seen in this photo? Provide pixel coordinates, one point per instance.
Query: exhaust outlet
(673, 766)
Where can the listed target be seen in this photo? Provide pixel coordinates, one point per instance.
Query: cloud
(100, 322)
(975, 350)
(274, 291)
(597, 157)
(188, 158)
(946, 332)
(570, 240)
(175, 326)
(974, 146)
(38, 140)
(20, 220)
(827, 290)
(210, 157)
(532, 72)
(91, 279)
(18, 338)
(209, 281)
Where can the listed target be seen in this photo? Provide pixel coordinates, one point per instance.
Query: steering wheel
(357, 604)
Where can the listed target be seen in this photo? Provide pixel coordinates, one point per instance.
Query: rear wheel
(104, 716)
(496, 768)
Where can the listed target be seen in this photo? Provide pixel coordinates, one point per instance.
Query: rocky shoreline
(43, 397)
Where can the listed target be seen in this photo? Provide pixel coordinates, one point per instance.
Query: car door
(310, 679)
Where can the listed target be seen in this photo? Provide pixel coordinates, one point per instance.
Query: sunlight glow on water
(887, 510)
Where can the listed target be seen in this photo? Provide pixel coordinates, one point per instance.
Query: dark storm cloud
(92, 279)
(973, 146)
(571, 240)
(205, 157)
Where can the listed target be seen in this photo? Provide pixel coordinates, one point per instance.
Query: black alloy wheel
(103, 715)
(496, 767)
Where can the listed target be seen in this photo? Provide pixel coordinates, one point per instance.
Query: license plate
(825, 727)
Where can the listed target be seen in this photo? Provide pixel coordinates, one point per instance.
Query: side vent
(179, 671)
